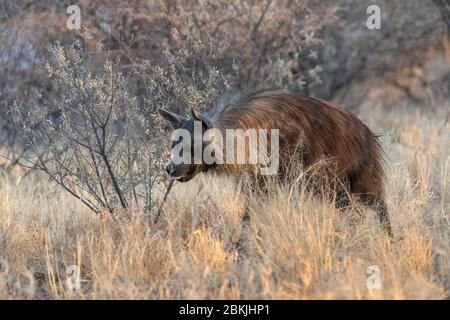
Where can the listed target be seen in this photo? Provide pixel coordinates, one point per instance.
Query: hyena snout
(170, 168)
(178, 169)
(182, 172)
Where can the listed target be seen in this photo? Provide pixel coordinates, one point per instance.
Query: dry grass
(297, 248)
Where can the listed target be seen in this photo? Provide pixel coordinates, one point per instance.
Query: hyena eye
(177, 142)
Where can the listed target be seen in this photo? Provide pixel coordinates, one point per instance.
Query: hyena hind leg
(380, 207)
(342, 199)
(241, 245)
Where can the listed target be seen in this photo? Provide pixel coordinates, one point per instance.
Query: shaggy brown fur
(310, 130)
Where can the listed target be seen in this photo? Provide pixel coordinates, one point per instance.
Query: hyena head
(187, 145)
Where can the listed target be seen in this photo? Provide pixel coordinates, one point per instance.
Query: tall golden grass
(296, 247)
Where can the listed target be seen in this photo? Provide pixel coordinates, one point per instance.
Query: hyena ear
(174, 119)
(199, 117)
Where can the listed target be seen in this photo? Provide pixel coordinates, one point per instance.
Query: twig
(169, 187)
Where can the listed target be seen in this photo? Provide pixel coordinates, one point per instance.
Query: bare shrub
(92, 139)
(273, 41)
(95, 139)
(190, 74)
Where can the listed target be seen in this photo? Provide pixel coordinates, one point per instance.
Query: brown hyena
(310, 130)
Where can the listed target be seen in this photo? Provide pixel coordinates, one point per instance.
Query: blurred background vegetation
(321, 48)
